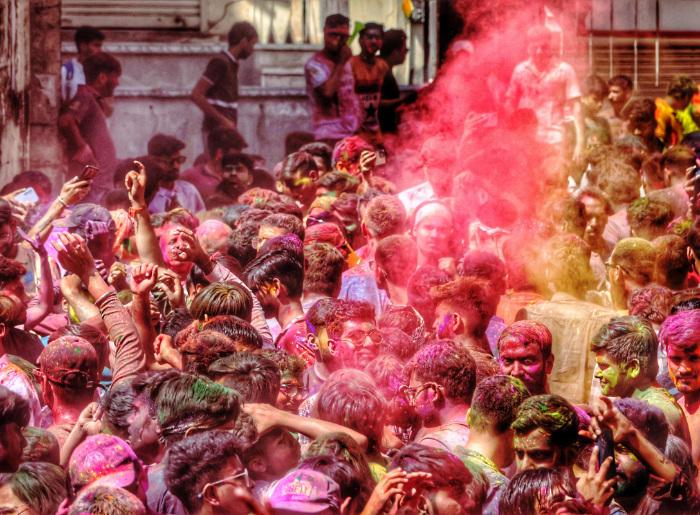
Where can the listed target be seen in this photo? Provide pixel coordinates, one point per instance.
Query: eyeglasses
(359, 338)
(243, 474)
(171, 160)
(609, 266)
(412, 393)
(292, 390)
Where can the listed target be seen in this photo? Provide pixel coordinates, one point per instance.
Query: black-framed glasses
(359, 338)
(609, 266)
(411, 393)
(291, 391)
(243, 474)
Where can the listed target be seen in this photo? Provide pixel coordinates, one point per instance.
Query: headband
(432, 209)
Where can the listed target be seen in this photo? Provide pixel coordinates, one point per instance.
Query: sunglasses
(359, 338)
(291, 391)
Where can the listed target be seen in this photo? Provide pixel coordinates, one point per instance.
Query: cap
(82, 214)
(103, 460)
(306, 491)
(70, 361)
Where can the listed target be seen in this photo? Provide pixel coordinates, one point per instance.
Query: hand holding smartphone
(89, 173)
(606, 448)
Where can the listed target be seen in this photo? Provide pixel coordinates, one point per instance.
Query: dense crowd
(354, 333)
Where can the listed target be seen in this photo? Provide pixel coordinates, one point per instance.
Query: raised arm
(145, 236)
(37, 313)
(83, 308)
(143, 279)
(72, 192)
(330, 87)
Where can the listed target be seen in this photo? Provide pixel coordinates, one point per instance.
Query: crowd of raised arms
(407, 316)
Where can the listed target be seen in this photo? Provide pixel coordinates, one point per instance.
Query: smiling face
(534, 450)
(684, 367)
(524, 361)
(355, 356)
(616, 380)
(170, 243)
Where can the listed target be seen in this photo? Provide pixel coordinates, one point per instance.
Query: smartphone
(606, 448)
(380, 157)
(28, 195)
(89, 173)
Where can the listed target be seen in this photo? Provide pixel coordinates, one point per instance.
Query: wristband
(132, 211)
(62, 202)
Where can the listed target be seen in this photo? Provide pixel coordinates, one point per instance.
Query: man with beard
(173, 192)
(352, 333)
(525, 352)
(625, 352)
(680, 335)
(598, 209)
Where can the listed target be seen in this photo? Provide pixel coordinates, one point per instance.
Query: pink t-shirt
(546, 93)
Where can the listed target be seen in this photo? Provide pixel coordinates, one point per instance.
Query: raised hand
(609, 416)
(165, 352)
(35, 243)
(593, 486)
(73, 255)
(136, 184)
(74, 191)
(144, 278)
(265, 416)
(191, 250)
(171, 286)
(117, 276)
(367, 161)
(390, 486)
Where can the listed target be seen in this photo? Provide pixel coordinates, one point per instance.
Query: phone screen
(606, 448)
(28, 195)
(89, 173)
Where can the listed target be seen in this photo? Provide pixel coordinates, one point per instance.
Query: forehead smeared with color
(524, 333)
(681, 330)
(551, 413)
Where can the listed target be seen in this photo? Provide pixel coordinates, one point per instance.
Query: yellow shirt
(668, 128)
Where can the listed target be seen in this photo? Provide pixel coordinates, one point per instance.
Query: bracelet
(62, 202)
(132, 211)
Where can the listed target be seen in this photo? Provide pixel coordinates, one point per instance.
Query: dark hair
(177, 320)
(447, 470)
(324, 266)
(154, 171)
(349, 480)
(347, 310)
(485, 265)
(116, 199)
(649, 213)
(336, 20)
(678, 159)
(29, 178)
(13, 408)
(241, 30)
(10, 270)
(203, 349)
(372, 26)
(682, 87)
(279, 264)
(495, 402)
(90, 334)
(406, 319)
(533, 490)
(5, 212)
(42, 446)
(86, 35)
(622, 81)
(296, 140)
(231, 214)
(397, 343)
(243, 334)
(226, 140)
(100, 62)
(223, 298)
(316, 316)
(289, 223)
(397, 256)
(450, 366)
(595, 85)
(652, 303)
(692, 236)
(526, 332)
(319, 149)
(256, 378)
(117, 404)
(647, 418)
(628, 338)
(163, 145)
(286, 362)
(471, 297)
(196, 461)
(551, 413)
(387, 371)
(680, 454)
(106, 500)
(354, 404)
(41, 486)
(385, 216)
(641, 111)
(294, 162)
(234, 159)
(419, 286)
(394, 39)
(197, 277)
(681, 329)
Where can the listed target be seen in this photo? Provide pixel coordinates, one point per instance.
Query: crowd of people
(334, 338)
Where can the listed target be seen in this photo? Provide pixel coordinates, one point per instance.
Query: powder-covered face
(170, 243)
(444, 322)
(684, 367)
(433, 236)
(535, 451)
(143, 436)
(525, 362)
(632, 475)
(615, 380)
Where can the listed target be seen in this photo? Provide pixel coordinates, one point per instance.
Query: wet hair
(551, 413)
(471, 297)
(223, 298)
(42, 446)
(286, 362)
(394, 39)
(345, 311)
(196, 461)
(487, 266)
(622, 81)
(649, 214)
(101, 62)
(279, 264)
(397, 343)
(243, 334)
(419, 286)
(203, 349)
(117, 404)
(297, 161)
(525, 332)
(10, 270)
(385, 216)
(40, 486)
(680, 455)
(682, 87)
(672, 265)
(85, 35)
(289, 223)
(448, 471)
(348, 479)
(13, 408)
(628, 338)
(681, 330)
(353, 404)
(163, 145)
(316, 316)
(532, 490)
(569, 264)
(448, 365)
(255, 378)
(678, 159)
(90, 334)
(224, 139)
(319, 149)
(324, 266)
(336, 20)
(652, 303)
(397, 256)
(648, 419)
(177, 320)
(595, 85)
(240, 31)
(495, 403)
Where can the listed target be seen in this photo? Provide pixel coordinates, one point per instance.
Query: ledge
(68, 47)
(244, 92)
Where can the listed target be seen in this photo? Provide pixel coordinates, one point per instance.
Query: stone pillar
(45, 89)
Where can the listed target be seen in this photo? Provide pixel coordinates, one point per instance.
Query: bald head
(212, 235)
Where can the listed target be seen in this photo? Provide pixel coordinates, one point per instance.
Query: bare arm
(577, 110)
(72, 192)
(198, 96)
(83, 308)
(37, 313)
(330, 87)
(146, 240)
(143, 279)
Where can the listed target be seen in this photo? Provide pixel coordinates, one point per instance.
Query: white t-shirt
(72, 76)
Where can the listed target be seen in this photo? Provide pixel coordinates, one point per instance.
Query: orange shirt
(668, 128)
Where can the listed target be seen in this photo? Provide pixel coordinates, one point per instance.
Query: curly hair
(344, 311)
(551, 413)
(652, 303)
(629, 338)
(10, 270)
